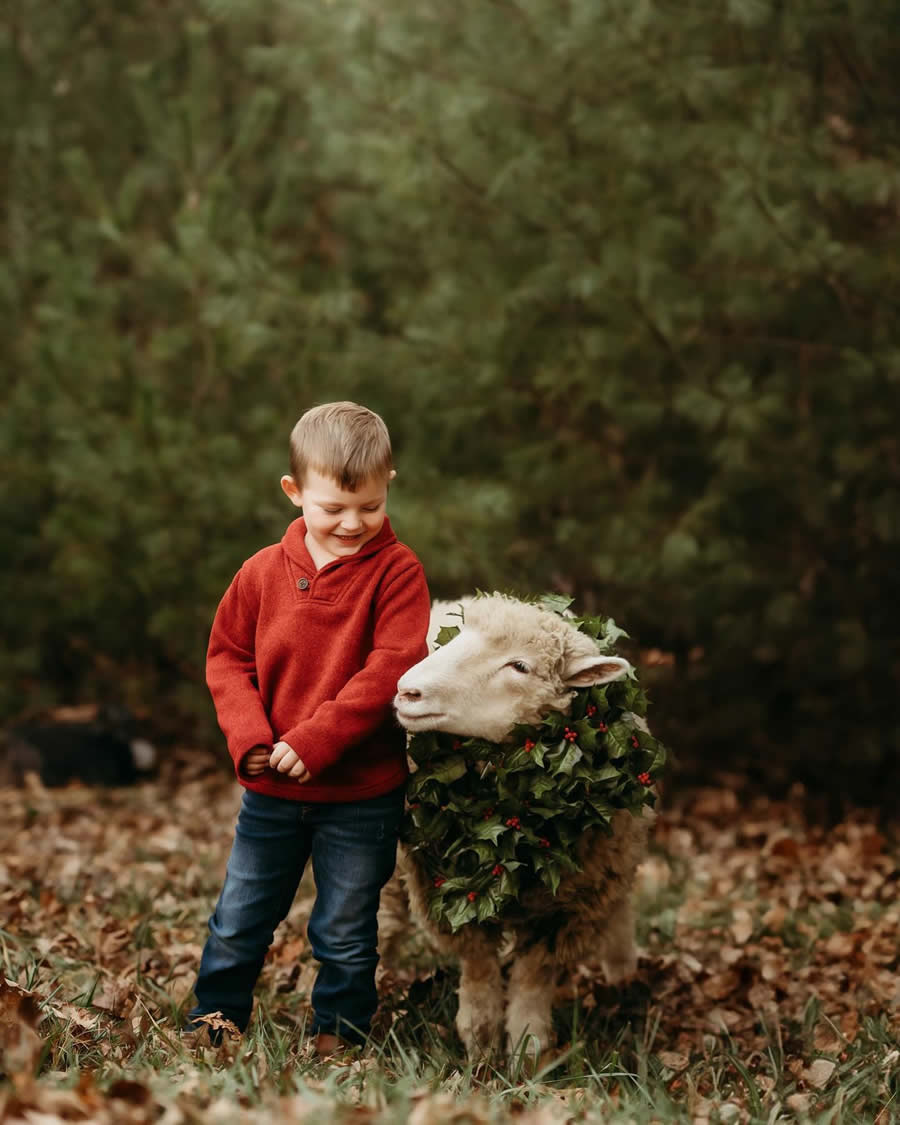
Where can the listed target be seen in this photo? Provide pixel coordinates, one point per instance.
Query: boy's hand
(286, 761)
(256, 761)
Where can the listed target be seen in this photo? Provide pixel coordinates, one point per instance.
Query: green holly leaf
(445, 634)
(459, 912)
(485, 851)
(539, 754)
(423, 746)
(550, 875)
(612, 633)
(491, 829)
(570, 758)
(609, 772)
(450, 769)
(618, 740)
(554, 724)
(509, 881)
(604, 819)
(510, 864)
(587, 734)
(541, 784)
(456, 883)
(628, 696)
(545, 811)
(435, 826)
(486, 906)
(592, 627)
(556, 603)
(520, 759)
(598, 697)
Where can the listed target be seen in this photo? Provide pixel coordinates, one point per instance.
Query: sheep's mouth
(417, 720)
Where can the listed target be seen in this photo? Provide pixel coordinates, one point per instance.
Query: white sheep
(512, 663)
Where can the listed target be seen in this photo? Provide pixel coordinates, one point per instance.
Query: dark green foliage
(624, 279)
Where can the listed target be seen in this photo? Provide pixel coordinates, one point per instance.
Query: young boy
(305, 652)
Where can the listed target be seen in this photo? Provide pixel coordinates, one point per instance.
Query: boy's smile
(338, 522)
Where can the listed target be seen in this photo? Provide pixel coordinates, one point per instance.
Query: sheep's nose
(409, 694)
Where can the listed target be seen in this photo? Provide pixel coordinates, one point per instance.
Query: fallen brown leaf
(818, 1073)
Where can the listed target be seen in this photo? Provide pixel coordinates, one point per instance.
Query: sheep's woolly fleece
(490, 820)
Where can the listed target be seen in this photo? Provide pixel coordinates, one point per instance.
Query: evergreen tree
(621, 276)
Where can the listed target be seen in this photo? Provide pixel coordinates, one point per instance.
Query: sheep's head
(510, 663)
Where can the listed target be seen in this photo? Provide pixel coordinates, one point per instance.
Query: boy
(304, 655)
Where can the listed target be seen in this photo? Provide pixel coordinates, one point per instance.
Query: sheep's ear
(583, 671)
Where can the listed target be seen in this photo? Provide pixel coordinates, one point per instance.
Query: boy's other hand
(256, 761)
(286, 761)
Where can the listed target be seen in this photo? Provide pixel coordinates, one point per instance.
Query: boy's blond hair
(343, 441)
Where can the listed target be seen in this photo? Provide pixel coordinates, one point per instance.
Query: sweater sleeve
(401, 626)
(231, 672)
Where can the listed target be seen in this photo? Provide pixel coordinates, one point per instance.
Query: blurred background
(622, 276)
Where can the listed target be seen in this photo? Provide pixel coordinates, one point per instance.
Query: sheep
(512, 663)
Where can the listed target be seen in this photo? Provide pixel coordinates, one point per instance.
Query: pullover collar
(294, 544)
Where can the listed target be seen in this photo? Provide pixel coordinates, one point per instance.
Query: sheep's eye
(520, 666)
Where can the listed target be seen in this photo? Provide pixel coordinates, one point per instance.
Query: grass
(610, 1072)
(714, 1029)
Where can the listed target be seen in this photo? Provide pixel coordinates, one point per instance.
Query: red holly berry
(634, 742)
(471, 896)
(644, 778)
(602, 727)
(439, 881)
(488, 813)
(513, 822)
(544, 842)
(529, 746)
(457, 744)
(591, 710)
(570, 735)
(498, 869)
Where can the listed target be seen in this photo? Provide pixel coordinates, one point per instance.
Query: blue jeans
(353, 848)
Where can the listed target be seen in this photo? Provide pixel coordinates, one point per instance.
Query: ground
(767, 983)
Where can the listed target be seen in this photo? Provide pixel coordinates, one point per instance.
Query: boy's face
(338, 523)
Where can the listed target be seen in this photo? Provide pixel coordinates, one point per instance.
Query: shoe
(327, 1045)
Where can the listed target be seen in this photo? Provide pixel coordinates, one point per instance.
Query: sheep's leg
(532, 980)
(394, 921)
(479, 1020)
(619, 958)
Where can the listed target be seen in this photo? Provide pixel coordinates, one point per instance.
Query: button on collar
(302, 583)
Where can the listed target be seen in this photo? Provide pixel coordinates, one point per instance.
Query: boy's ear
(291, 491)
(392, 474)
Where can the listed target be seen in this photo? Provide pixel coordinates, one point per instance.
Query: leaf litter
(768, 938)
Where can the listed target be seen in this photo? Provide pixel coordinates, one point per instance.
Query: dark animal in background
(91, 746)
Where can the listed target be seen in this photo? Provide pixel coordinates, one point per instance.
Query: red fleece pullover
(312, 657)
